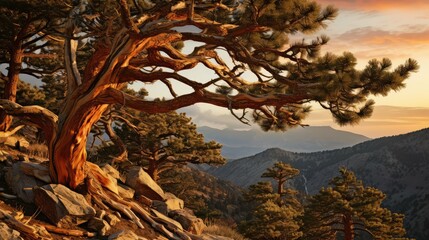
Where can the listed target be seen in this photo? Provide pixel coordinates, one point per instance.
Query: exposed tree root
(103, 191)
(133, 211)
(68, 232)
(33, 232)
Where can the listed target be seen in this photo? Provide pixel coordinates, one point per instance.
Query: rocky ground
(31, 207)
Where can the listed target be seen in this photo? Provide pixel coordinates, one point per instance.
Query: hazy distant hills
(399, 166)
(237, 144)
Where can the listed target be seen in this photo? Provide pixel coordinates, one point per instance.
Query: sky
(396, 29)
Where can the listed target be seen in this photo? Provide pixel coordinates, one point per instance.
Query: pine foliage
(348, 209)
(273, 214)
(162, 141)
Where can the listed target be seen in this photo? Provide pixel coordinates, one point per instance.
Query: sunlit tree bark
(231, 38)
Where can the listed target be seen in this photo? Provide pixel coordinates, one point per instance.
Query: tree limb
(70, 49)
(39, 116)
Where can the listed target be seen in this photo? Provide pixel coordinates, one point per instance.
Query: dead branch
(10, 132)
(70, 49)
(27, 231)
(123, 154)
(39, 116)
(68, 232)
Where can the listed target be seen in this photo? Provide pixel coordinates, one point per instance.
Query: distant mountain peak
(241, 143)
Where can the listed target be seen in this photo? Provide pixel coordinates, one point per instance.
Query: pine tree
(24, 44)
(26, 93)
(54, 89)
(244, 45)
(281, 172)
(273, 214)
(132, 42)
(348, 209)
(161, 141)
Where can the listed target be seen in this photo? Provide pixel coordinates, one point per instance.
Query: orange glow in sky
(374, 5)
(396, 29)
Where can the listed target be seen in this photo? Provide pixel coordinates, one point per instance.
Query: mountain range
(397, 165)
(238, 144)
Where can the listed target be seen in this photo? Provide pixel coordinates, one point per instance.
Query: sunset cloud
(373, 42)
(373, 36)
(376, 5)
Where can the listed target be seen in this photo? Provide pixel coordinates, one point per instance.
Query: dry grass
(38, 150)
(222, 230)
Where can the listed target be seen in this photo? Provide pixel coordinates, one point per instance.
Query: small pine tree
(348, 209)
(159, 142)
(281, 172)
(273, 214)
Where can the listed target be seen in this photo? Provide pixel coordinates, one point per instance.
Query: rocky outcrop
(63, 206)
(20, 183)
(143, 184)
(188, 220)
(66, 209)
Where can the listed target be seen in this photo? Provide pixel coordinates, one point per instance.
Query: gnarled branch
(36, 115)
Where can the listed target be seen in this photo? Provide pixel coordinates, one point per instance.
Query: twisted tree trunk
(84, 104)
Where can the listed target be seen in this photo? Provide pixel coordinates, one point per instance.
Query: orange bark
(83, 108)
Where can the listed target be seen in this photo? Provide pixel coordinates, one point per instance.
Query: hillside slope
(398, 165)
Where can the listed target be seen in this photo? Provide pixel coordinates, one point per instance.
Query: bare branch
(123, 154)
(39, 116)
(239, 101)
(70, 48)
(10, 132)
(126, 16)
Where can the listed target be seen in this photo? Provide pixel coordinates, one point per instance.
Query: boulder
(22, 184)
(125, 235)
(99, 225)
(143, 184)
(188, 220)
(8, 233)
(173, 202)
(62, 206)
